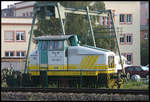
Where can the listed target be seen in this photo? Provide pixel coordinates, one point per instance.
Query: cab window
(56, 45)
(73, 41)
(111, 61)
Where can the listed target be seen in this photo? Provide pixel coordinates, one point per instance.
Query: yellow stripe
(70, 66)
(71, 73)
(43, 65)
(93, 62)
(83, 60)
(84, 66)
(89, 67)
(89, 61)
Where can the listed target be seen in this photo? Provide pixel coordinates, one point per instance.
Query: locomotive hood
(88, 50)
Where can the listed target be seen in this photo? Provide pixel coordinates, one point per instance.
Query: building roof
(53, 37)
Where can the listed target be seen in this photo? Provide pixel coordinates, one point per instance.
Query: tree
(144, 52)
(75, 24)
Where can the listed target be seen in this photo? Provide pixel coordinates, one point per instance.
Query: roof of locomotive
(53, 37)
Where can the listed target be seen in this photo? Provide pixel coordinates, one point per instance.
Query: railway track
(77, 90)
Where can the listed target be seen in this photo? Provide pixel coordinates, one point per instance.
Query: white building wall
(16, 24)
(128, 7)
(20, 12)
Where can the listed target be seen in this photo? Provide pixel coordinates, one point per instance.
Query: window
(9, 53)
(20, 36)
(103, 20)
(146, 35)
(106, 20)
(126, 39)
(31, 14)
(122, 18)
(23, 14)
(129, 38)
(56, 45)
(20, 53)
(9, 36)
(129, 58)
(122, 39)
(5, 14)
(129, 17)
(125, 18)
(6, 53)
(111, 61)
(26, 13)
(130, 69)
(138, 69)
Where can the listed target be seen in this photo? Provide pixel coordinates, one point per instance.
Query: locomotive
(60, 59)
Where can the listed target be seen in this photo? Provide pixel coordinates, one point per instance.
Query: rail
(77, 90)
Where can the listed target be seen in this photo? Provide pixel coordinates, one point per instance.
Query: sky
(5, 3)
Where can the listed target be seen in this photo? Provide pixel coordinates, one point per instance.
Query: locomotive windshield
(111, 61)
(56, 45)
(51, 45)
(58, 42)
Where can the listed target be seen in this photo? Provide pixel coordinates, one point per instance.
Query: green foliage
(48, 27)
(135, 85)
(144, 52)
(104, 38)
(75, 24)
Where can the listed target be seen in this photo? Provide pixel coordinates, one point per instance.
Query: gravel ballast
(29, 96)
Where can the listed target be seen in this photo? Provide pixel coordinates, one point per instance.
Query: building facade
(15, 34)
(127, 18)
(14, 38)
(144, 25)
(24, 8)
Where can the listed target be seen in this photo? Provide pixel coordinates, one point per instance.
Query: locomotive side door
(43, 55)
(56, 55)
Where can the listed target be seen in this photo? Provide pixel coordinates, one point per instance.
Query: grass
(135, 85)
